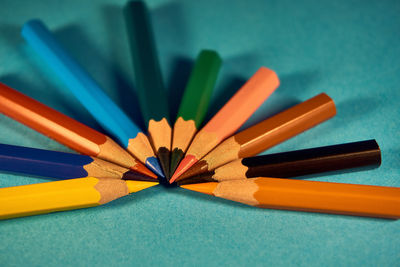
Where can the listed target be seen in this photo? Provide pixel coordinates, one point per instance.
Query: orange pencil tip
(205, 188)
(187, 162)
(139, 167)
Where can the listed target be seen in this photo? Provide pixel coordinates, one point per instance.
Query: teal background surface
(348, 49)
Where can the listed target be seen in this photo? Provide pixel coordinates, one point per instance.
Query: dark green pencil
(151, 91)
(194, 103)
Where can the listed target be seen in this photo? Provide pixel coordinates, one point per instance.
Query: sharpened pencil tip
(153, 164)
(205, 188)
(142, 169)
(163, 155)
(135, 186)
(187, 162)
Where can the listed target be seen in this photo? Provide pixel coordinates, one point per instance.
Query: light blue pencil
(89, 93)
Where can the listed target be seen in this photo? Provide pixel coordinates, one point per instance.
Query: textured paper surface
(348, 49)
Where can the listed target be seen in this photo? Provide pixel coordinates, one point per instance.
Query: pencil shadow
(10, 34)
(176, 66)
(120, 63)
(178, 78)
(170, 15)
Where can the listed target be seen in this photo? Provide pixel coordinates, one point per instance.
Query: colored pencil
(363, 154)
(65, 130)
(34, 199)
(61, 165)
(194, 105)
(90, 94)
(232, 115)
(267, 133)
(311, 196)
(150, 87)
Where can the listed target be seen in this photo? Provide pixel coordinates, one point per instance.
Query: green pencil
(151, 91)
(194, 103)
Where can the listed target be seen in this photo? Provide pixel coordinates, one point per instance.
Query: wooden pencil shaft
(194, 104)
(71, 194)
(61, 165)
(363, 154)
(311, 196)
(315, 160)
(285, 125)
(199, 88)
(43, 162)
(49, 121)
(147, 72)
(79, 82)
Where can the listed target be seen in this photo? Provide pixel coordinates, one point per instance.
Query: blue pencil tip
(153, 164)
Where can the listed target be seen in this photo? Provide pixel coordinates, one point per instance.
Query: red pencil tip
(187, 162)
(142, 169)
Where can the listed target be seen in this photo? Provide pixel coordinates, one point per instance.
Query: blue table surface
(348, 49)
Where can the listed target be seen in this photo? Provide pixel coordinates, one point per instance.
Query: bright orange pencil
(232, 115)
(312, 196)
(65, 130)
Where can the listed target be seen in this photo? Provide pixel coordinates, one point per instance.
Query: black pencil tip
(164, 157)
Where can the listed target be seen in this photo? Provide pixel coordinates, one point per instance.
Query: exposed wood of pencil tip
(183, 133)
(267, 133)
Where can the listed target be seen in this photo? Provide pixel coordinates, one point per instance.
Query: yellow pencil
(34, 199)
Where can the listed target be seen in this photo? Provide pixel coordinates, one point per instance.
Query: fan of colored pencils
(207, 157)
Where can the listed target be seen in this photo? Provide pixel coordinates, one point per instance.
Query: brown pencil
(363, 154)
(311, 196)
(65, 130)
(267, 134)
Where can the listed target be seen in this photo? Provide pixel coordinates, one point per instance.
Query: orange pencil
(312, 196)
(232, 115)
(65, 130)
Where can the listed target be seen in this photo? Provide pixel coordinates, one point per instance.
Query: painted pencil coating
(64, 195)
(148, 79)
(310, 196)
(267, 133)
(360, 155)
(64, 129)
(60, 165)
(195, 103)
(231, 116)
(88, 92)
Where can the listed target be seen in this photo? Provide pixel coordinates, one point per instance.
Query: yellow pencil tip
(135, 186)
(205, 188)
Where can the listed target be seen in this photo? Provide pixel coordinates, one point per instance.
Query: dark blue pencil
(60, 165)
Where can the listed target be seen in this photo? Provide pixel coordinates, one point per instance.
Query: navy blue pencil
(60, 165)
